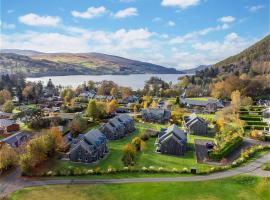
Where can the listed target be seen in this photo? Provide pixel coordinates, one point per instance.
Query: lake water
(135, 81)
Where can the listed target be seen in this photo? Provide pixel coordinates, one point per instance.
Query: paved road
(13, 181)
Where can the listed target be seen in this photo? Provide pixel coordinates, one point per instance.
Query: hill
(43, 64)
(194, 70)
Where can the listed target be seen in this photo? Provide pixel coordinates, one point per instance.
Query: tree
(8, 157)
(125, 92)
(235, 101)
(77, 125)
(56, 138)
(138, 143)
(246, 101)
(128, 154)
(154, 104)
(4, 96)
(177, 101)
(8, 106)
(113, 91)
(67, 95)
(111, 106)
(92, 110)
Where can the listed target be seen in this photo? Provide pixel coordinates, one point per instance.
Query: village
(107, 129)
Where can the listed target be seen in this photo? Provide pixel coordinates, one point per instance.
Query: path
(13, 181)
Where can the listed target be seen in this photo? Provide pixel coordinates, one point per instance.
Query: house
(195, 125)
(16, 139)
(161, 116)
(4, 115)
(118, 127)
(211, 105)
(266, 113)
(131, 99)
(172, 141)
(122, 110)
(90, 148)
(9, 125)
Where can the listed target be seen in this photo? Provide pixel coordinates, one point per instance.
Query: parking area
(201, 150)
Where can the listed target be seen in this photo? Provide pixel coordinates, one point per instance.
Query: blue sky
(173, 33)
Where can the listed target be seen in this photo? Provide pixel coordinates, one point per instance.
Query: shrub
(227, 148)
(144, 136)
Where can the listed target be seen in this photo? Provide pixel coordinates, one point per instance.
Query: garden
(253, 118)
(147, 158)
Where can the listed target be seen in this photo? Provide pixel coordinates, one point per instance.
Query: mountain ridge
(36, 64)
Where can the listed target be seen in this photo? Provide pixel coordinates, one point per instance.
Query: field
(236, 188)
(144, 159)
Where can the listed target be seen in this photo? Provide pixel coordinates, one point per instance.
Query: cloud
(32, 19)
(171, 23)
(183, 4)
(231, 45)
(227, 19)
(4, 25)
(90, 13)
(157, 19)
(255, 8)
(80, 40)
(193, 35)
(128, 12)
(127, 1)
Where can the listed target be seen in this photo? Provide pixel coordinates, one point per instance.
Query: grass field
(235, 188)
(144, 159)
(199, 98)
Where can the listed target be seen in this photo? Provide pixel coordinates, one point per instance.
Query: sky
(173, 33)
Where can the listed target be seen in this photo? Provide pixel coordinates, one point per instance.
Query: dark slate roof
(192, 119)
(91, 140)
(6, 122)
(176, 132)
(125, 118)
(15, 137)
(193, 102)
(157, 113)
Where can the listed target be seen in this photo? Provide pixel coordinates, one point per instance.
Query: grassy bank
(240, 187)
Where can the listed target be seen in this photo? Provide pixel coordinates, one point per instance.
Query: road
(13, 181)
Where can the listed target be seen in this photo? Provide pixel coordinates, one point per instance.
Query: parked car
(209, 145)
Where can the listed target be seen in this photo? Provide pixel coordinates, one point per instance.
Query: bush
(144, 136)
(227, 148)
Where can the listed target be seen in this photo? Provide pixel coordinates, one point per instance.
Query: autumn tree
(92, 110)
(8, 157)
(154, 104)
(235, 101)
(125, 92)
(5, 95)
(77, 125)
(111, 106)
(113, 91)
(246, 101)
(8, 106)
(138, 143)
(67, 95)
(129, 153)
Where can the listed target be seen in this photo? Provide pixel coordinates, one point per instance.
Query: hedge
(227, 149)
(256, 123)
(249, 127)
(250, 118)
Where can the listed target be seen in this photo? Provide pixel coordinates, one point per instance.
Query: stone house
(195, 125)
(118, 127)
(90, 148)
(9, 125)
(172, 141)
(161, 116)
(16, 140)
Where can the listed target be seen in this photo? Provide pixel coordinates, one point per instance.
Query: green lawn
(235, 188)
(144, 159)
(199, 98)
(266, 166)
